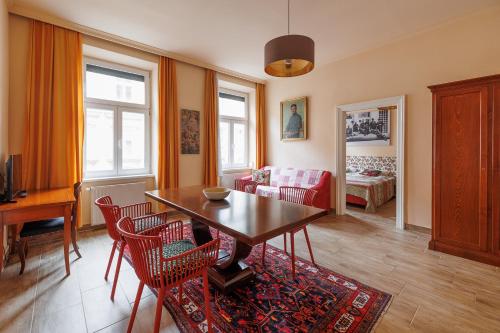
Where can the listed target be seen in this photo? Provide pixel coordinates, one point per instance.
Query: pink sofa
(318, 180)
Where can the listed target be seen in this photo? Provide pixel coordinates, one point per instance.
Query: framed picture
(190, 132)
(368, 127)
(294, 119)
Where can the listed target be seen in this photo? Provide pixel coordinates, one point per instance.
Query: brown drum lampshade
(289, 55)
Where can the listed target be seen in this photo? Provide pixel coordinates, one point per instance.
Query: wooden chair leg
(309, 245)
(26, 248)
(22, 254)
(110, 260)
(284, 243)
(73, 240)
(136, 306)
(118, 265)
(292, 245)
(263, 253)
(206, 292)
(159, 307)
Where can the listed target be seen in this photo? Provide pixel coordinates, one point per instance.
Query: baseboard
(417, 228)
(88, 227)
(484, 257)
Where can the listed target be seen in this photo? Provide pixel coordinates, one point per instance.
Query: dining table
(245, 217)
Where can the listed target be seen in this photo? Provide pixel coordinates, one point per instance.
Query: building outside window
(233, 129)
(117, 120)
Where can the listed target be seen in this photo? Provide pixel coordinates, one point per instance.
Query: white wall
(465, 48)
(190, 86)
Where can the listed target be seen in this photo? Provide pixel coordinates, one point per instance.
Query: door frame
(340, 111)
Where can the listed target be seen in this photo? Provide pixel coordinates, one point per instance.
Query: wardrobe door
(495, 186)
(460, 167)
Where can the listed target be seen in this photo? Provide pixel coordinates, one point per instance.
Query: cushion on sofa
(305, 178)
(261, 176)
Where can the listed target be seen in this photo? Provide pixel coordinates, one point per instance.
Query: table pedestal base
(229, 278)
(230, 271)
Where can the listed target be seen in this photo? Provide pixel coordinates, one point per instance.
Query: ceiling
(232, 33)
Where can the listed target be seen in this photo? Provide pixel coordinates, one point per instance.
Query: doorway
(366, 124)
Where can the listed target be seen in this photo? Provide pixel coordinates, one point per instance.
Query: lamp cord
(288, 16)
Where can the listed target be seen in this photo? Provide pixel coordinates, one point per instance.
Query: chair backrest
(77, 189)
(145, 251)
(111, 215)
(298, 195)
(243, 185)
(156, 271)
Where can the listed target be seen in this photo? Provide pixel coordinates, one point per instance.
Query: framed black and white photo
(368, 127)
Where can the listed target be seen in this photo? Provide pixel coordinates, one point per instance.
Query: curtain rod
(47, 18)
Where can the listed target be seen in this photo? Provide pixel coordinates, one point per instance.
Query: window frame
(118, 107)
(236, 120)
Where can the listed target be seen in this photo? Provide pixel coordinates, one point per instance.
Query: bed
(370, 191)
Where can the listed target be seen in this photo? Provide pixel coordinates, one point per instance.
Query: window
(233, 129)
(116, 120)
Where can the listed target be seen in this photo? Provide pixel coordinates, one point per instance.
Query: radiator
(227, 179)
(122, 195)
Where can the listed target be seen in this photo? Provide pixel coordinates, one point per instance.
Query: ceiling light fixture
(289, 55)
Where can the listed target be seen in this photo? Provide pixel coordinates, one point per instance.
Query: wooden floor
(385, 213)
(433, 292)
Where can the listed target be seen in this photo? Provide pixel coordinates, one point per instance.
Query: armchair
(163, 259)
(143, 219)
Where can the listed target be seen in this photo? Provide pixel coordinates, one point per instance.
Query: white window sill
(236, 170)
(127, 177)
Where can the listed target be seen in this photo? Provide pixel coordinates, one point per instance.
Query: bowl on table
(216, 193)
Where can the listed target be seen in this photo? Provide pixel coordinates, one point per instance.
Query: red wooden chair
(163, 259)
(302, 196)
(112, 214)
(245, 185)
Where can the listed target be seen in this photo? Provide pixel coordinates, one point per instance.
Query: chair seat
(177, 247)
(171, 250)
(42, 227)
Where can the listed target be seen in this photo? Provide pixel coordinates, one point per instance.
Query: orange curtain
(53, 145)
(210, 176)
(168, 122)
(261, 126)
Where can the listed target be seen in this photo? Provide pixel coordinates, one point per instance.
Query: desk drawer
(33, 214)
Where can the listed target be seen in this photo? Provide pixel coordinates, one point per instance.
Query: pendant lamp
(289, 55)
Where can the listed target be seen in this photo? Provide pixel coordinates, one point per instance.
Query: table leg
(1, 243)
(67, 236)
(230, 271)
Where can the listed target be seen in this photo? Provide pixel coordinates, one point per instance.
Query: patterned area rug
(318, 300)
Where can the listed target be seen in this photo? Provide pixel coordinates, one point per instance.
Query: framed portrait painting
(190, 132)
(294, 119)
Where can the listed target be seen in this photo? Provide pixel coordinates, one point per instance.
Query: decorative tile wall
(385, 164)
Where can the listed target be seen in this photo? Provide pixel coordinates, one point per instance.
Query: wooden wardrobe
(466, 169)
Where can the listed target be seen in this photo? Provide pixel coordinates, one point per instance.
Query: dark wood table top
(249, 218)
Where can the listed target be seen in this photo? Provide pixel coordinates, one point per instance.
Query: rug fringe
(382, 314)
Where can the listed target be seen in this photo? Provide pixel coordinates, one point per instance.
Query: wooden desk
(40, 205)
(248, 218)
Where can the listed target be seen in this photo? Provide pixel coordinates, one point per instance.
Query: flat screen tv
(13, 179)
